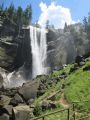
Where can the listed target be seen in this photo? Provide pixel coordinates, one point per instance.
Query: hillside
(75, 87)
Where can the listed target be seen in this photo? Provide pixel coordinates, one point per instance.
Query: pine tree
(10, 11)
(28, 15)
(85, 23)
(65, 27)
(19, 18)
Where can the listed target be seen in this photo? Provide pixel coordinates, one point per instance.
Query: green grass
(78, 86)
(77, 89)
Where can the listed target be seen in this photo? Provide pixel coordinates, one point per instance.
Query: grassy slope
(77, 88)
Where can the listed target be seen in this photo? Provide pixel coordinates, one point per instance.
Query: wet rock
(22, 112)
(4, 117)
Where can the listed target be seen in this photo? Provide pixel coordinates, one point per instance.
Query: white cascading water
(39, 50)
(13, 79)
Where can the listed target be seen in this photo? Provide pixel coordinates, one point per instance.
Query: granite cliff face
(64, 46)
(14, 46)
(8, 48)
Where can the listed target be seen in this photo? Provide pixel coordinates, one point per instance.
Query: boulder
(47, 104)
(79, 59)
(4, 100)
(30, 101)
(7, 109)
(16, 100)
(29, 90)
(4, 117)
(22, 112)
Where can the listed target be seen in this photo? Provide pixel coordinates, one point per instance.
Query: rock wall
(15, 48)
(63, 46)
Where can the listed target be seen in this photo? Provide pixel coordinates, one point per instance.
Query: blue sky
(78, 8)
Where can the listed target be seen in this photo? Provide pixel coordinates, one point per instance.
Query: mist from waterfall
(39, 50)
(13, 79)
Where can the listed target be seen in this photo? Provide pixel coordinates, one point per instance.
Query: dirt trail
(63, 101)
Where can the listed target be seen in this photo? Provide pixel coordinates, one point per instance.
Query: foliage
(37, 110)
(65, 27)
(19, 16)
(78, 86)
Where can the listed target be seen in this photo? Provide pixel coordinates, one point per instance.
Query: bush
(37, 110)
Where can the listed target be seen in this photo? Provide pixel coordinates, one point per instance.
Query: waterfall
(39, 50)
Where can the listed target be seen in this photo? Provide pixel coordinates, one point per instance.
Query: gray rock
(86, 68)
(4, 100)
(82, 63)
(16, 100)
(8, 53)
(22, 112)
(4, 117)
(47, 104)
(62, 47)
(29, 90)
(30, 101)
(8, 109)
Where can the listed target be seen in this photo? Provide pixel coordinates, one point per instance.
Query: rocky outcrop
(8, 53)
(63, 46)
(8, 48)
(14, 46)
